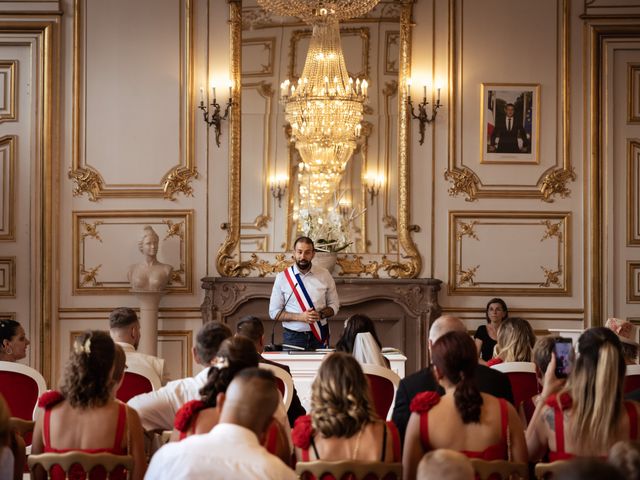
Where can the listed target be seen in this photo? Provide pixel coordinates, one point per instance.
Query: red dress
(302, 435)
(50, 399)
(423, 402)
(494, 361)
(564, 402)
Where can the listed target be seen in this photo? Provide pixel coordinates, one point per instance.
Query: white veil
(366, 350)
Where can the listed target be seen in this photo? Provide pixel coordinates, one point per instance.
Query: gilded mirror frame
(408, 263)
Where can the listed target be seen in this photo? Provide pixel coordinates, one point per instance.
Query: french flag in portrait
(320, 329)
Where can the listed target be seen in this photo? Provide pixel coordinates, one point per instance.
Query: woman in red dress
(476, 424)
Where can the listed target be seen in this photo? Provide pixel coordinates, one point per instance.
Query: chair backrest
(21, 386)
(356, 469)
(548, 470)
(383, 383)
(285, 382)
(137, 379)
(86, 461)
(499, 469)
(632, 378)
(522, 376)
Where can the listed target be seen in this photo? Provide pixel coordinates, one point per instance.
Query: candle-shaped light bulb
(201, 96)
(230, 85)
(365, 86)
(424, 89)
(213, 93)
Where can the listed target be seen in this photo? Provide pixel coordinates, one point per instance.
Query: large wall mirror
(371, 201)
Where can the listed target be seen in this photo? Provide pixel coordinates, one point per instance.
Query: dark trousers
(305, 340)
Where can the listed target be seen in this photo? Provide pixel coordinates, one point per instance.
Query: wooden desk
(304, 367)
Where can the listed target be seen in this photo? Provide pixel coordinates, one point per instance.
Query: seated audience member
(627, 334)
(86, 401)
(542, 351)
(158, 409)
(200, 416)
(488, 379)
(360, 339)
(343, 424)
(444, 464)
(486, 336)
(252, 328)
(13, 341)
(476, 424)
(515, 341)
(588, 415)
(588, 469)
(124, 329)
(625, 456)
(232, 448)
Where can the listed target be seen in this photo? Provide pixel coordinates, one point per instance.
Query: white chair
(522, 376)
(381, 379)
(12, 376)
(287, 382)
(87, 462)
(138, 379)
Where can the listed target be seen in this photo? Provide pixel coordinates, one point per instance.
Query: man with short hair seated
(158, 409)
(124, 328)
(489, 380)
(252, 328)
(232, 448)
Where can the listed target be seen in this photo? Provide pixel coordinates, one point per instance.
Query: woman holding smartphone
(588, 415)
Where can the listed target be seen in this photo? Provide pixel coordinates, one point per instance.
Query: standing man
(303, 297)
(508, 136)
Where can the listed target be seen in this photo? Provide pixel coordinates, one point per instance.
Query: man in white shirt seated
(157, 409)
(232, 448)
(124, 329)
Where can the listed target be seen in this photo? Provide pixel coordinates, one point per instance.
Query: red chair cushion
(382, 393)
(132, 385)
(524, 385)
(631, 383)
(21, 393)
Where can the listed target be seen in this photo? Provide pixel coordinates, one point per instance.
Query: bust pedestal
(402, 310)
(149, 301)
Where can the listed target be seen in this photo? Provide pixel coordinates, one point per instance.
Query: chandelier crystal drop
(307, 10)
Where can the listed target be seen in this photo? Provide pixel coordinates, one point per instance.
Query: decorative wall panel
(133, 102)
(8, 90)
(391, 51)
(175, 345)
(633, 194)
(7, 315)
(515, 253)
(258, 55)
(633, 282)
(7, 276)
(7, 188)
(633, 92)
(106, 245)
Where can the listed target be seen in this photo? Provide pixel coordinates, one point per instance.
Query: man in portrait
(509, 136)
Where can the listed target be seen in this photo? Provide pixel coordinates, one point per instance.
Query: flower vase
(326, 260)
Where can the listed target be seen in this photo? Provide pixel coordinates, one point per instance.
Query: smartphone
(562, 349)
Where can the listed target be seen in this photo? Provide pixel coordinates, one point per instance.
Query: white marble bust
(149, 275)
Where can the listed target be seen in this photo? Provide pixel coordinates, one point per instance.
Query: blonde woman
(588, 416)
(343, 424)
(515, 341)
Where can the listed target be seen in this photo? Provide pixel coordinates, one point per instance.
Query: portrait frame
(521, 144)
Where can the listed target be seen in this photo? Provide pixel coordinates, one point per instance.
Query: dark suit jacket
(295, 409)
(508, 138)
(489, 381)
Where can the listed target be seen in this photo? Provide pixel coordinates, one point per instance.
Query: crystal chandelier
(324, 107)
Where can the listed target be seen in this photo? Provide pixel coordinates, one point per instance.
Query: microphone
(272, 347)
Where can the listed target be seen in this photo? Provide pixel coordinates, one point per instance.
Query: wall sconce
(345, 207)
(373, 182)
(423, 115)
(278, 184)
(211, 113)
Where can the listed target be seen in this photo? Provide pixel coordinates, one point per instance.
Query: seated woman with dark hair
(343, 424)
(200, 416)
(515, 341)
(87, 402)
(587, 416)
(13, 341)
(464, 419)
(360, 339)
(486, 335)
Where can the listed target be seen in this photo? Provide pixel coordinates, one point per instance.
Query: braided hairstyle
(456, 357)
(88, 381)
(235, 354)
(340, 401)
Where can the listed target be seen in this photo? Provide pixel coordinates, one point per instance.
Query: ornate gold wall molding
(105, 245)
(7, 315)
(9, 94)
(633, 193)
(633, 282)
(87, 178)
(8, 194)
(633, 92)
(465, 177)
(544, 236)
(8, 277)
(391, 44)
(268, 45)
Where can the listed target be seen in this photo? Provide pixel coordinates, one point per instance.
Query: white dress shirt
(138, 358)
(320, 286)
(158, 409)
(227, 452)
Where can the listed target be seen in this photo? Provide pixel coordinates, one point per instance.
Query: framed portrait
(510, 123)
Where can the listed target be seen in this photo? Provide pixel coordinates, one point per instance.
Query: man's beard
(303, 264)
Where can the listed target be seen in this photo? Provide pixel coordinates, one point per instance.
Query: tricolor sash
(304, 301)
